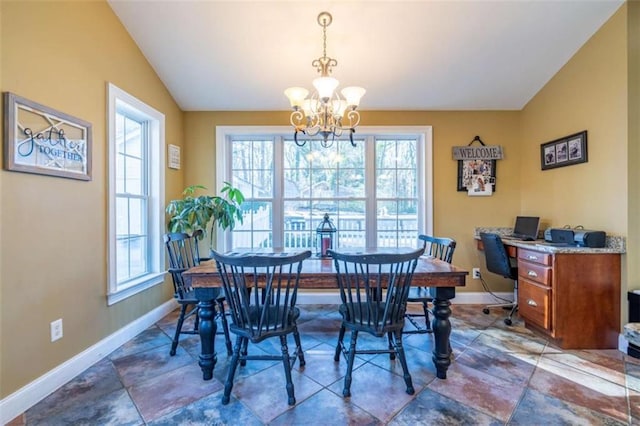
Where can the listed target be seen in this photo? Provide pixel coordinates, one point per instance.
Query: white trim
(623, 343)
(156, 177)
(136, 287)
(34, 392)
(425, 134)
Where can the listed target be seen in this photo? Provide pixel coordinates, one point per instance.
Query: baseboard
(623, 343)
(333, 297)
(26, 397)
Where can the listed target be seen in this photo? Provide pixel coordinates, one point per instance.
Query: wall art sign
(41, 140)
(477, 167)
(174, 156)
(565, 151)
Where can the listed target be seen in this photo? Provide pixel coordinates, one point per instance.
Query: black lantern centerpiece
(324, 236)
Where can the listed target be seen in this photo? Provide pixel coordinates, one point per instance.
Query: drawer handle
(532, 257)
(532, 274)
(531, 303)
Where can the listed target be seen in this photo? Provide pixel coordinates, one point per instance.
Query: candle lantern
(324, 234)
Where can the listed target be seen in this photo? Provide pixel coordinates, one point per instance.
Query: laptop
(526, 228)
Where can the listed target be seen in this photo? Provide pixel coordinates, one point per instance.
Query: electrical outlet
(56, 330)
(476, 273)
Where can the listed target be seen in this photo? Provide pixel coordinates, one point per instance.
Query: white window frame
(424, 134)
(155, 174)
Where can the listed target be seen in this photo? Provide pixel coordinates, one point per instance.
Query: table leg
(442, 329)
(206, 302)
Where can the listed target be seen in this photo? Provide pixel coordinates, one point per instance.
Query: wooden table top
(320, 274)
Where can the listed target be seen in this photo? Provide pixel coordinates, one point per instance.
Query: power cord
(488, 290)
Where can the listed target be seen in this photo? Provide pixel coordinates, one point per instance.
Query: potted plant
(204, 212)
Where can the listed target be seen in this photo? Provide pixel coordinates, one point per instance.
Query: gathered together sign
(42, 140)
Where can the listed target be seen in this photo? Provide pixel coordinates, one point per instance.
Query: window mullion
(370, 192)
(278, 192)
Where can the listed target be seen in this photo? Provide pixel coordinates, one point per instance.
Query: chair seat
(368, 318)
(273, 323)
(419, 294)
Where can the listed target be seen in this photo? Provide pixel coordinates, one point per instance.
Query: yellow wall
(588, 93)
(633, 161)
(455, 213)
(54, 230)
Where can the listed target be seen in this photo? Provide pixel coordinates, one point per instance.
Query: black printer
(576, 237)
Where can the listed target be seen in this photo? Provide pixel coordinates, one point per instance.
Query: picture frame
(565, 151)
(468, 169)
(42, 140)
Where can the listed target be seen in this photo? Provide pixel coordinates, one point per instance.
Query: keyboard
(520, 237)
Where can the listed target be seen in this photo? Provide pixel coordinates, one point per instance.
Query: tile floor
(499, 375)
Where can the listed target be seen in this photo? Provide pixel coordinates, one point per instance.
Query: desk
(571, 295)
(442, 278)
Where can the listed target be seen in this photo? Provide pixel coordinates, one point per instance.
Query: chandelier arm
(295, 138)
(351, 132)
(354, 118)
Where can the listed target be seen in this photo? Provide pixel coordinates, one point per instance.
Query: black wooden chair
(441, 248)
(261, 291)
(183, 254)
(374, 288)
(498, 262)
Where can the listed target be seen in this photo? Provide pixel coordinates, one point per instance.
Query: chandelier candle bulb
(323, 112)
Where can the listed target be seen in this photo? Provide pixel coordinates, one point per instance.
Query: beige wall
(54, 230)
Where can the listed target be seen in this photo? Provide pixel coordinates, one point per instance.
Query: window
(136, 195)
(376, 193)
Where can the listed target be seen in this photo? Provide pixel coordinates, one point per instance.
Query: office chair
(441, 248)
(373, 289)
(498, 262)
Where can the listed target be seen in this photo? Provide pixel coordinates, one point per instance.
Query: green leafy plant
(204, 212)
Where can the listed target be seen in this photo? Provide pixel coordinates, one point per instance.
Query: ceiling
(409, 55)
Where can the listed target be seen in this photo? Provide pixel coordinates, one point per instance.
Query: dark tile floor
(499, 375)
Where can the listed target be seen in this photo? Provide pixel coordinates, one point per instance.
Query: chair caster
(172, 352)
(507, 321)
(485, 311)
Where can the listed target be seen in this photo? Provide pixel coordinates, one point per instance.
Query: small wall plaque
(174, 157)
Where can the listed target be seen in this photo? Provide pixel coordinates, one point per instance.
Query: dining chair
(438, 247)
(373, 289)
(261, 291)
(183, 254)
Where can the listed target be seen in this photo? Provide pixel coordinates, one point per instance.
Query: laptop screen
(526, 226)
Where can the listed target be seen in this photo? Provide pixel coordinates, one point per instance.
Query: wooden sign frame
(41, 140)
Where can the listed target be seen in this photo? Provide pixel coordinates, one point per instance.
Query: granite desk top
(613, 244)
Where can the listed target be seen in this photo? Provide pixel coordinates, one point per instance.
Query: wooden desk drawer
(535, 272)
(534, 256)
(533, 303)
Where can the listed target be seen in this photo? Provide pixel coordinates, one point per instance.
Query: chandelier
(325, 112)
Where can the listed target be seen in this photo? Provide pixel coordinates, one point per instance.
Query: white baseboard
(623, 343)
(333, 297)
(34, 392)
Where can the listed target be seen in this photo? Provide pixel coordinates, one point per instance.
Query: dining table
(441, 278)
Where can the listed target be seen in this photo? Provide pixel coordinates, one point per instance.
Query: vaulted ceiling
(409, 55)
